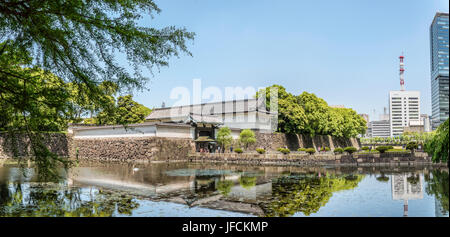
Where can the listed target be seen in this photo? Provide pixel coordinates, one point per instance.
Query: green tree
(224, 137)
(126, 111)
(438, 146)
(309, 114)
(316, 110)
(79, 42)
(247, 137)
(291, 116)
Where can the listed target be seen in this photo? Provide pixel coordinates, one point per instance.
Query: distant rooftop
(208, 109)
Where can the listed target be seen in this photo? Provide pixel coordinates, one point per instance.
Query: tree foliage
(18, 200)
(124, 111)
(247, 137)
(309, 114)
(79, 42)
(224, 137)
(438, 146)
(291, 116)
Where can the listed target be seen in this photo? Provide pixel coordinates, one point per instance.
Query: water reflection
(112, 190)
(438, 185)
(305, 193)
(43, 200)
(407, 187)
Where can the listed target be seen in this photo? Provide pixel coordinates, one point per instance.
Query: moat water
(187, 190)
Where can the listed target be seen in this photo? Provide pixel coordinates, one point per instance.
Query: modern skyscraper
(439, 43)
(404, 110)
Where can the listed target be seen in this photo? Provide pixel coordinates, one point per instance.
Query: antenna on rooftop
(402, 70)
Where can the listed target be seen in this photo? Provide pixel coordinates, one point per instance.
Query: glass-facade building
(439, 42)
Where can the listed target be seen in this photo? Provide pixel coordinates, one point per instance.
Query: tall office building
(404, 110)
(426, 119)
(379, 128)
(439, 68)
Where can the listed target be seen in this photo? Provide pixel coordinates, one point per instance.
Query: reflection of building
(407, 187)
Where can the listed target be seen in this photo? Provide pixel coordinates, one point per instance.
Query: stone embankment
(132, 149)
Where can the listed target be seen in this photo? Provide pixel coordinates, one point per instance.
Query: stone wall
(18, 145)
(272, 141)
(127, 149)
(152, 148)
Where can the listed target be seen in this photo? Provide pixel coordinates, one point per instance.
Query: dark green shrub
(350, 149)
(390, 147)
(301, 149)
(338, 150)
(412, 146)
(382, 149)
(365, 148)
(284, 150)
(260, 150)
(311, 151)
(238, 150)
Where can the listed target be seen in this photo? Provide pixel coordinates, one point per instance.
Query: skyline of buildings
(439, 43)
(405, 105)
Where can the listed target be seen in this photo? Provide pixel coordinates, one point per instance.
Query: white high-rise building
(404, 109)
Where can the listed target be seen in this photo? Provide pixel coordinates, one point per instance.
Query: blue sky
(345, 52)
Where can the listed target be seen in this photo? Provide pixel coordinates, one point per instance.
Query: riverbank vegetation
(405, 138)
(438, 145)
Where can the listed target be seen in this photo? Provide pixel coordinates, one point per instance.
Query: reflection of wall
(124, 178)
(404, 190)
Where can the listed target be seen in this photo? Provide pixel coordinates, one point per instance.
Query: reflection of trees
(224, 186)
(61, 201)
(383, 178)
(438, 186)
(413, 179)
(247, 182)
(305, 194)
